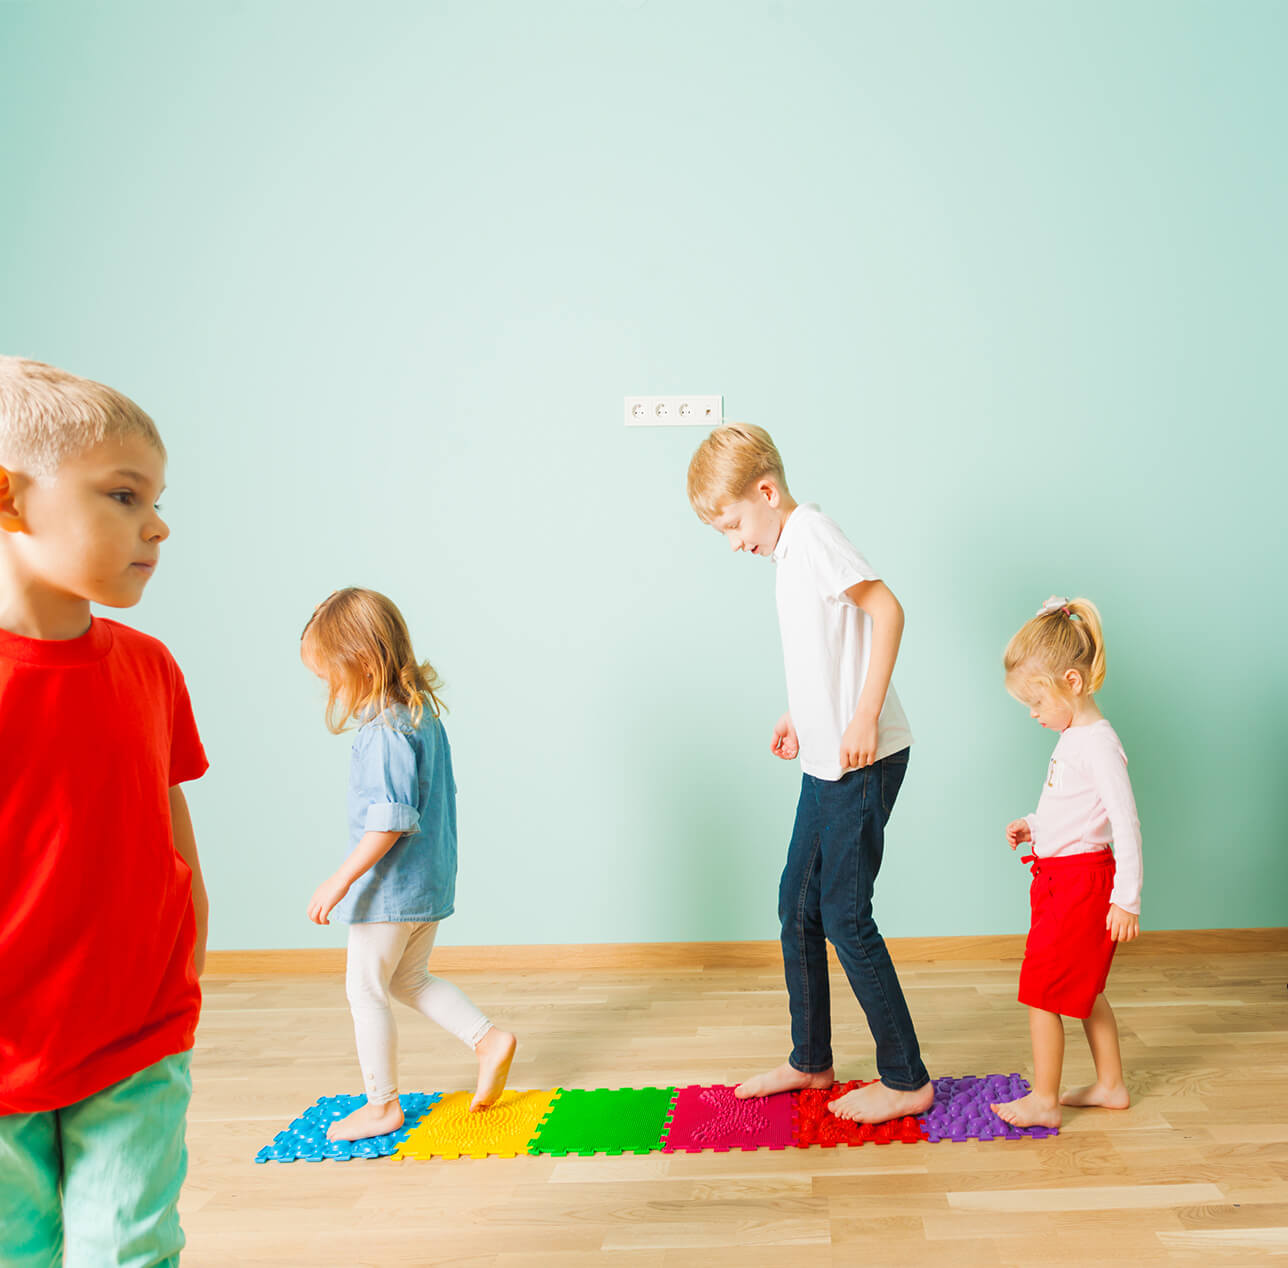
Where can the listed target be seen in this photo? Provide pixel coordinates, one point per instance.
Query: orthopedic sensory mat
(563, 1121)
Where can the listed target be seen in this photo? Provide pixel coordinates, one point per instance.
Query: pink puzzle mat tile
(713, 1118)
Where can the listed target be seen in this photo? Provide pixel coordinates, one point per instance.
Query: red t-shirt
(96, 923)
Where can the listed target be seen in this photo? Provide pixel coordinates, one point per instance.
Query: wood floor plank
(1090, 1197)
(1271, 1241)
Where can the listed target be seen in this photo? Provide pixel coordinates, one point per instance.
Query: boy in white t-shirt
(841, 628)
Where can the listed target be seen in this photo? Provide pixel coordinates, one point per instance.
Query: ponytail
(1066, 634)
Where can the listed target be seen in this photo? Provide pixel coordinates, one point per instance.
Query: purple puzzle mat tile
(961, 1109)
(713, 1118)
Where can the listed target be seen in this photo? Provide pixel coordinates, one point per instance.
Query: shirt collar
(85, 649)
(784, 538)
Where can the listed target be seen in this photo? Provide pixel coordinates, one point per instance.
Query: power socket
(674, 411)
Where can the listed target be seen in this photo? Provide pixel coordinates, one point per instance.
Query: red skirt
(1069, 950)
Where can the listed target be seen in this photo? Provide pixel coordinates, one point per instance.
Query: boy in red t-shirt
(103, 907)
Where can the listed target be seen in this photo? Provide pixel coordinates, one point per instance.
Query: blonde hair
(48, 416)
(1068, 636)
(727, 463)
(359, 640)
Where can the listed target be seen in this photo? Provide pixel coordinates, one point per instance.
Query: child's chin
(118, 599)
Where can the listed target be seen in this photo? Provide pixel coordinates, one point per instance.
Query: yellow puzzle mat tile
(449, 1130)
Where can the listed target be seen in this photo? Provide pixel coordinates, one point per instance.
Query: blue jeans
(826, 896)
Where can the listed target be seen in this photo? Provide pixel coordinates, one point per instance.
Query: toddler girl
(1085, 895)
(399, 879)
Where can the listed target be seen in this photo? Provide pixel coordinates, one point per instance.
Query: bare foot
(367, 1120)
(1097, 1094)
(495, 1051)
(786, 1078)
(877, 1103)
(1029, 1111)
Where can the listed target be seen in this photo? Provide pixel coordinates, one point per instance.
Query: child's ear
(10, 518)
(1073, 679)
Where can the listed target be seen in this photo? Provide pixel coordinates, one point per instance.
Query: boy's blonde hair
(48, 416)
(727, 463)
(359, 640)
(1066, 634)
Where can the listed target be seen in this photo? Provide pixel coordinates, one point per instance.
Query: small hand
(1017, 833)
(325, 898)
(859, 743)
(786, 744)
(1123, 926)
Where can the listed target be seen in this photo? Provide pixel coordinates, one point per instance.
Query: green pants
(97, 1183)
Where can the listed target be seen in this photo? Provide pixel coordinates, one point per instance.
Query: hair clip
(1055, 604)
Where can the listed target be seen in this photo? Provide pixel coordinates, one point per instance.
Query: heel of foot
(1093, 1096)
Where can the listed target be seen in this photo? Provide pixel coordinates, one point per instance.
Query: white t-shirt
(827, 641)
(1087, 804)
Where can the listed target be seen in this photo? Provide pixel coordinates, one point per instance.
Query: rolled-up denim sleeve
(388, 781)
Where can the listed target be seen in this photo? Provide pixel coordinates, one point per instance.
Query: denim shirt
(400, 780)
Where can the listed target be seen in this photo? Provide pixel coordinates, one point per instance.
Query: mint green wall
(1005, 280)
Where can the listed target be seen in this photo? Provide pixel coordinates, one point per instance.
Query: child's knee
(851, 930)
(407, 986)
(364, 991)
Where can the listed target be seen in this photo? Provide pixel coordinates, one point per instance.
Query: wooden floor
(1195, 1172)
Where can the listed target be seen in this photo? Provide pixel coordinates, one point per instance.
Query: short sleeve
(188, 759)
(834, 562)
(385, 776)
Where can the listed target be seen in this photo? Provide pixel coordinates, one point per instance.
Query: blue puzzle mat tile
(305, 1139)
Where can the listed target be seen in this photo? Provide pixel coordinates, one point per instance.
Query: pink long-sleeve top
(1087, 804)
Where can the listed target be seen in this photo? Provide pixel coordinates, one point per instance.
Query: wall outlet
(674, 411)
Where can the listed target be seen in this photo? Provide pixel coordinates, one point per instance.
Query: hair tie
(1055, 604)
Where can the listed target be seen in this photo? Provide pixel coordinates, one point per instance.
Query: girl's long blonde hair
(359, 640)
(1065, 635)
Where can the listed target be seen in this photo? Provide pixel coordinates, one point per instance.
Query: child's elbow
(893, 609)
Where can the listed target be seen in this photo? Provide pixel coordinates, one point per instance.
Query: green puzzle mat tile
(450, 1130)
(605, 1121)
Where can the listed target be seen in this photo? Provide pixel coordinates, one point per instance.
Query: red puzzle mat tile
(713, 1118)
(819, 1126)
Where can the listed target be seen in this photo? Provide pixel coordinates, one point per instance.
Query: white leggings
(389, 959)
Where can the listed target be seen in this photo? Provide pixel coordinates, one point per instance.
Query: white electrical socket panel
(674, 411)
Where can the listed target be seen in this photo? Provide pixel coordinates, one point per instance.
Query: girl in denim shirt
(399, 879)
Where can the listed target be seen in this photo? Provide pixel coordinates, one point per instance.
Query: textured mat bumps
(604, 1121)
(961, 1109)
(559, 1122)
(306, 1138)
(817, 1125)
(713, 1118)
(452, 1131)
